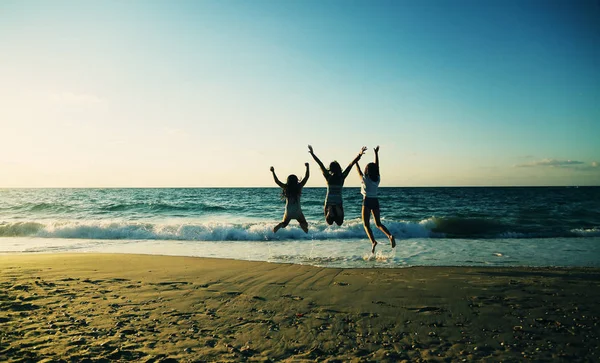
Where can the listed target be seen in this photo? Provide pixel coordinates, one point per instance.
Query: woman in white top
(370, 183)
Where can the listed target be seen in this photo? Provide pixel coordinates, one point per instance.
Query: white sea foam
(203, 231)
(351, 253)
(589, 232)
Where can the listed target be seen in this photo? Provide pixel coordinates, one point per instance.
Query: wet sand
(117, 307)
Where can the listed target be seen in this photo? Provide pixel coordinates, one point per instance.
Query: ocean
(450, 226)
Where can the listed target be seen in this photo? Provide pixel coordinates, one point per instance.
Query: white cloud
(552, 163)
(559, 164)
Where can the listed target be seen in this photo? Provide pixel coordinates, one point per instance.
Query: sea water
(481, 226)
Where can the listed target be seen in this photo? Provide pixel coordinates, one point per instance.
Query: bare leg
(339, 215)
(377, 215)
(329, 217)
(303, 223)
(366, 217)
(282, 224)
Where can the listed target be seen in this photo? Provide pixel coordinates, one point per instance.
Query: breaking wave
(261, 231)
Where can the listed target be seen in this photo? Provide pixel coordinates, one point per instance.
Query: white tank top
(369, 188)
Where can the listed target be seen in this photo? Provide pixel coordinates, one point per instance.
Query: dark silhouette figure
(335, 177)
(290, 192)
(369, 186)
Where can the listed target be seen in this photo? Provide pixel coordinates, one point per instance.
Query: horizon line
(311, 187)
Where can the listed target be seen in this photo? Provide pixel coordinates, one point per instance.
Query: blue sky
(212, 93)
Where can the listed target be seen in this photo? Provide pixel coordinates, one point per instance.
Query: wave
(212, 231)
(459, 227)
(140, 207)
(38, 207)
(587, 232)
(262, 231)
(161, 207)
(20, 229)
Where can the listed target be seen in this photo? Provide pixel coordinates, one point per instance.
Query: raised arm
(275, 178)
(356, 159)
(311, 152)
(358, 169)
(377, 155)
(306, 175)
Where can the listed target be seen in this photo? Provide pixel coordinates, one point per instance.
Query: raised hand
(310, 149)
(362, 150)
(272, 169)
(376, 149)
(306, 164)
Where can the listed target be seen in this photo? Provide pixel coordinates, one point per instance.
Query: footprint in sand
(426, 309)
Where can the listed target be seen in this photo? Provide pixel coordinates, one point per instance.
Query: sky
(212, 93)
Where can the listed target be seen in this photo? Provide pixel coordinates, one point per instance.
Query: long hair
(372, 171)
(335, 173)
(291, 189)
(335, 169)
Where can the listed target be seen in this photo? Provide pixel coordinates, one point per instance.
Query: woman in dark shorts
(335, 177)
(370, 183)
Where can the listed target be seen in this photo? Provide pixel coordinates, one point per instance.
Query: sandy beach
(117, 307)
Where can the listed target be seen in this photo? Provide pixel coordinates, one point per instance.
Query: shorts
(371, 203)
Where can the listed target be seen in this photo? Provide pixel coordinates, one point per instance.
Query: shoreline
(349, 253)
(121, 307)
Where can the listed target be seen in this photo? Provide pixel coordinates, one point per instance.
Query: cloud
(552, 163)
(560, 164)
